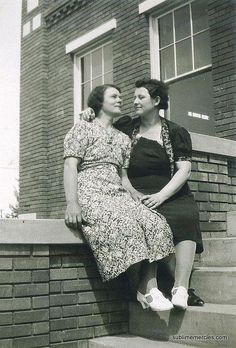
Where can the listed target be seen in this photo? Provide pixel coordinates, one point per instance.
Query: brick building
(69, 46)
(50, 290)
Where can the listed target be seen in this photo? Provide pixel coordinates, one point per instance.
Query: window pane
(202, 51)
(107, 58)
(182, 23)
(97, 63)
(96, 68)
(184, 56)
(85, 93)
(191, 103)
(85, 68)
(166, 30)
(167, 63)
(97, 82)
(199, 15)
(108, 78)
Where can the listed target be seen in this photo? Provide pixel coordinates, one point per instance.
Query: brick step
(130, 341)
(215, 284)
(218, 252)
(206, 323)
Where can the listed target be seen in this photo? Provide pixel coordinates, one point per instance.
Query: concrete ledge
(149, 5)
(213, 145)
(92, 35)
(43, 231)
(231, 223)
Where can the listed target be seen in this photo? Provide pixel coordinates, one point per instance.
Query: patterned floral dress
(120, 231)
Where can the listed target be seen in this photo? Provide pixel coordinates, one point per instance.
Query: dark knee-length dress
(120, 231)
(149, 172)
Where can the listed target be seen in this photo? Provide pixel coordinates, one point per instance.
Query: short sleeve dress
(119, 231)
(150, 171)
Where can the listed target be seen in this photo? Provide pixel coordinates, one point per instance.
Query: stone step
(215, 284)
(218, 252)
(130, 341)
(207, 326)
(231, 221)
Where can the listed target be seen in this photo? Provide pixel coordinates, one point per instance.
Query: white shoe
(158, 300)
(180, 297)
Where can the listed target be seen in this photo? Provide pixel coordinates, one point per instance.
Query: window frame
(155, 45)
(155, 60)
(78, 73)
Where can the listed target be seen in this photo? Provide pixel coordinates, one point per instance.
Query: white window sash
(155, 49)
(78, 77)
(77, 88)
(154, 45)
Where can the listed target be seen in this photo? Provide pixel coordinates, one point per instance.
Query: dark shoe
(193, 299)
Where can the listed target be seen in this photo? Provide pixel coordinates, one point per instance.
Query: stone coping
(41, 231)
(54, 231)
(213, 145)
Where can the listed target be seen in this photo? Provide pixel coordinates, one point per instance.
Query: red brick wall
(54, 296)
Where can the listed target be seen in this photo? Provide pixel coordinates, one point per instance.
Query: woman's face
(112, 102)
(143, 103)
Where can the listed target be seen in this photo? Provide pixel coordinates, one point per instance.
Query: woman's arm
(136, 195)
(174, 185)
(73, 216)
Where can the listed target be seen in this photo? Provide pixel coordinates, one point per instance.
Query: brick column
(33, 112)
(222, 16)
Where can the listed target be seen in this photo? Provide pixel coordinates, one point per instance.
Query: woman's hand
(87, 115)
(136, 195)
(174, 185)
(73, 217)
(154, 200)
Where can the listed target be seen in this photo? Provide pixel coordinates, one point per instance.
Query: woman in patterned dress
(120, 230)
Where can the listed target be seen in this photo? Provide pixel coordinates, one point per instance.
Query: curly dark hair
(96, 97)
(155, 88)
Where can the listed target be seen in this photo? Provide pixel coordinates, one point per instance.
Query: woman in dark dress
(159, 168)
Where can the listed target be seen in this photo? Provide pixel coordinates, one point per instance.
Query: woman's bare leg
(133, 274)
(148, 277)
(185, 253)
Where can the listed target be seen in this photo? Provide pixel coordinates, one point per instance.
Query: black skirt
(149, 172)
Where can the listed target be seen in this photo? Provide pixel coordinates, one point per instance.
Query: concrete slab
(215, 284)
(211, 325)
(41, 231)
(130, 341)
(219, 252)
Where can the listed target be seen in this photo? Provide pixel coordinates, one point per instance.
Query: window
(32, 4)
(26, 28)
(96, 68)
(36, 22)
(185, 64)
